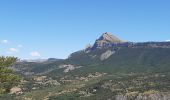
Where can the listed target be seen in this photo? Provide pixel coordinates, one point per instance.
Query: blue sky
(55, 28)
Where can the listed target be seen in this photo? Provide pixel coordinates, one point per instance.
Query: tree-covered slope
(111, 69)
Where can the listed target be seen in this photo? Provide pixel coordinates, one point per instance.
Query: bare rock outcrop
(106, 55)
(106, 40)
(69, 67)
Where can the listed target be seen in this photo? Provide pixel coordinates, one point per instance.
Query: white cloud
(19, 46)
(35, 54)
(13, 50)
(167, 40)
(4, 41)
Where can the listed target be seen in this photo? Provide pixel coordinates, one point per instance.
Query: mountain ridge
(110, 71)
(109, 38)
(105, 40)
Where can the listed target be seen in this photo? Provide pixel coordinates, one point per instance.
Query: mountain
(110, 69)
(53, 59)
(107, 37)
(33, 60)
(111, 52)
(106, 40)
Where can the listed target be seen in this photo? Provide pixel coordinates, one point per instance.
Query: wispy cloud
(35, 54)
(13, 50)
(167, 40)
(19, 46)
(4, 41)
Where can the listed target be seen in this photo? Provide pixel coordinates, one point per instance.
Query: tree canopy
(7, 76)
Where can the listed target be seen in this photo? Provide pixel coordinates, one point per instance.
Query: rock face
(109, 38)
(15, 90)
(106, 40)
(106, 55)
(107, 44)
(69, 67)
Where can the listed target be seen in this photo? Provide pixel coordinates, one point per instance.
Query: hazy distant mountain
(53, 59)
(34, 60)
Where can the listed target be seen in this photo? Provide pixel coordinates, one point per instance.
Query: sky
(33, 29)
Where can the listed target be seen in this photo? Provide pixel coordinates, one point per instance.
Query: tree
(7, 76)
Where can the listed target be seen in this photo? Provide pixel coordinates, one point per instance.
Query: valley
(111, 69)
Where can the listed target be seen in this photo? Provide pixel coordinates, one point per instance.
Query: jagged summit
(109, 38)
(106, 40)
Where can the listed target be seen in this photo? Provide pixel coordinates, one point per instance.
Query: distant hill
(110, 54)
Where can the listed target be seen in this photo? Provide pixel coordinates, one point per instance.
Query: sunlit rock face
(106, 55)
(106, 40)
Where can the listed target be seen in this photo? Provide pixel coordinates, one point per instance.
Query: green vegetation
(130, 72)
(7, 76)
(100, 86)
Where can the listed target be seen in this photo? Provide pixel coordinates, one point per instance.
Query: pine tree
(7, 76)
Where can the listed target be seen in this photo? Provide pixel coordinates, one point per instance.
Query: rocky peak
(106, 40)
(109, 38)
